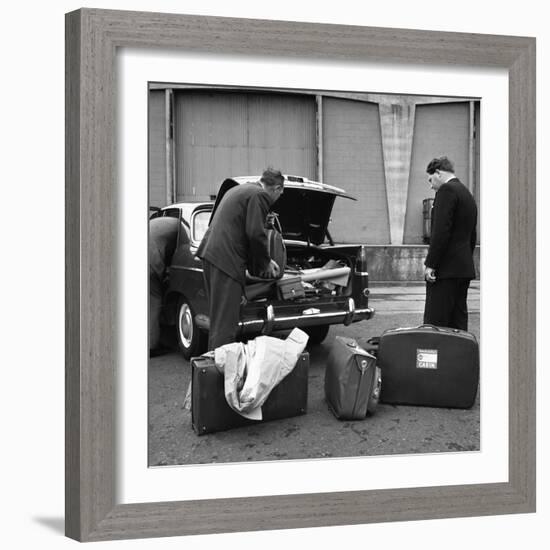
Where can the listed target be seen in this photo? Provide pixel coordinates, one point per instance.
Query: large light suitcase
(428, 365)
(352, 380)
(211, 413)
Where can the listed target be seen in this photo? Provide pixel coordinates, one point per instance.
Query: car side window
(200, 224)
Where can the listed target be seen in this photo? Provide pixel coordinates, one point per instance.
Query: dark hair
(272, 178)
(441, 163)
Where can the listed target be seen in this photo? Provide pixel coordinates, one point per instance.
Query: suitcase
(276, 247)
(211, 413)
(275, 242)
(290, 288)
(352, 380)
(429, 365)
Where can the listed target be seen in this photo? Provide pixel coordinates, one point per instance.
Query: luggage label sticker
(426, 359)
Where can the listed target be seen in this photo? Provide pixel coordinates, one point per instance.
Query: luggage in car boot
(429, 365)
(352, 380)
(211, 413)
(275, 242)
(290, 288)
(275, 246)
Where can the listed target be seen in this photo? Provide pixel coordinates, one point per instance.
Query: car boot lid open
(304, 208)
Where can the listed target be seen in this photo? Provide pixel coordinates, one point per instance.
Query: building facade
(375, 146)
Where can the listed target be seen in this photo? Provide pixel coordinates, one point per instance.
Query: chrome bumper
(273, 322)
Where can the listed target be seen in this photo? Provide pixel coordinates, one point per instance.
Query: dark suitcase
(352, 380)
(275, 242)
(290, 288)
(275, 246)
(211, 413)
(428, 365)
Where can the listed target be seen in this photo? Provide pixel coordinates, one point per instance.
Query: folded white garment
(253, 369)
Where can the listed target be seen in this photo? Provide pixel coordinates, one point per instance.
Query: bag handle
(353, 344)
(439, 329)
(273, 220)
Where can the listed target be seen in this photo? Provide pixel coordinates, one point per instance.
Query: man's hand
(429, 274)
(272, 271)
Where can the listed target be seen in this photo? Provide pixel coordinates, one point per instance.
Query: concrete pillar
(397, 125)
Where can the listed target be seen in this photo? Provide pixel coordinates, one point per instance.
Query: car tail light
(361, 278)
(361, 262)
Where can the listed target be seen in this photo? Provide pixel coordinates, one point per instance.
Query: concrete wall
(401, 263)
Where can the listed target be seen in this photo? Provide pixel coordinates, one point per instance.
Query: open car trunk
(322, 284)
(313, 272)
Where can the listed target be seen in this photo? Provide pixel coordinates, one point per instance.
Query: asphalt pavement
(317, 434)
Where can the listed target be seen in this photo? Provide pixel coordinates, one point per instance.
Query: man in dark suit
(449, 266)
(237, 235)
(163, 235)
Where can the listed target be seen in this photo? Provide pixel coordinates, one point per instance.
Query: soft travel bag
(352, 380)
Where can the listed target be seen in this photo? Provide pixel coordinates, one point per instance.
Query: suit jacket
(453, 232)
(163, 235)
(237, 231)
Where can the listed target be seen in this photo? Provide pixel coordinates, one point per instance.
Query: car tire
(316, 334)
(191, 340)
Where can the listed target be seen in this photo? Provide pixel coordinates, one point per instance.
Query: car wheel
(317, 334)
(191, 340)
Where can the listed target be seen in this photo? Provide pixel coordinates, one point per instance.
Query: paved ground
(392, 430)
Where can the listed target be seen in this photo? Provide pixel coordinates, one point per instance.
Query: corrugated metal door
(353, 159)
(439, 129)
(221, 134)
(157, 148)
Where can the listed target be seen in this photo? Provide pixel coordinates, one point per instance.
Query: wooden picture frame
(92, 39)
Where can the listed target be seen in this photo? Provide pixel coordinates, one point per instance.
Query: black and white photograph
(284, 278)
(314, 274)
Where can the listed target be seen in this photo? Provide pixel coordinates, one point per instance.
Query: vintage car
(304, 212)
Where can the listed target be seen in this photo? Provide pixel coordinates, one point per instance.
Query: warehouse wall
(375, 146)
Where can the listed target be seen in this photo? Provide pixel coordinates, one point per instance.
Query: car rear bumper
(273, 321)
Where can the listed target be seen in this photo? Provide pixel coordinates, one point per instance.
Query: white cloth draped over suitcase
(253, 369)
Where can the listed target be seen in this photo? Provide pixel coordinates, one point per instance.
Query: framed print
(106, 52)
